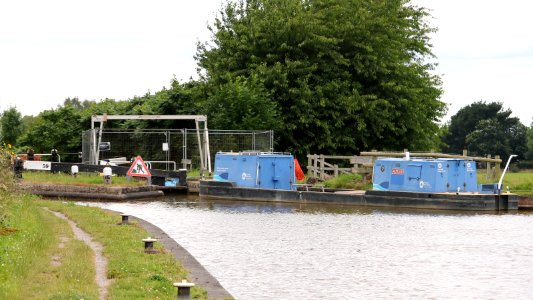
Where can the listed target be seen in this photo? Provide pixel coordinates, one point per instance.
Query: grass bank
(135, 275)
(518, 182)
(81, 179)
(39, 256)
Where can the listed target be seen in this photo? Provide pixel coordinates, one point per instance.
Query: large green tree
(465, 121)
(249, 108)
(529, 154)
(11, 125)
(345, 75)
(59, 128)
(486, 128)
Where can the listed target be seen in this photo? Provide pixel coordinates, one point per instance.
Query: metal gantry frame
(205, 155)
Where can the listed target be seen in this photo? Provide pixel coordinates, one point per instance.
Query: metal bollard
(184, 289)
(74, 171)
(108, 173)
(149, 245)
(125, 219)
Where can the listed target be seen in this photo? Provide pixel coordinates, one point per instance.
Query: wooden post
(309, 163)
(315, 166)
(465, 152)
(353, 161)
(322, 166)
(497, 169)
(374, 157)
(336, 170)
(488, 168)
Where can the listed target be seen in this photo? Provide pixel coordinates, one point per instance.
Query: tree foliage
(11, 125)
(249, 108)
(529, 154)
(486, 128)
(57, 128)
(345, 75)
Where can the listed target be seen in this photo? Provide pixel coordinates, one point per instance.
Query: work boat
(449, 184)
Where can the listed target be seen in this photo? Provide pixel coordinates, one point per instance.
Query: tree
(346, 75)
(249, 108)
(465, 121)
(180, 99)
(11, 125)
(60, 128)
(77, 104)
(486, 128)
(488, 138)
(529, 154)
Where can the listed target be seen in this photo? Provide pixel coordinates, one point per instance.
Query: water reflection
(194, 201)
(289, 251)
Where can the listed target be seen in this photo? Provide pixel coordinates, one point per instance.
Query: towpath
(100, 260)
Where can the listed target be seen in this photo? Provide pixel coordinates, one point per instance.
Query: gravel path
(100, 260)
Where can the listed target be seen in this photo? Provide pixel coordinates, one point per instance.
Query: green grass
(26, 252)
(30, 240)
(518, 182)
(81, 179)
(135, 275)
(194, 173)
(348, 181)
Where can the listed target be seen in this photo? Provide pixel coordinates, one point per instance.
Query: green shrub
(347, 181)
(7, 182)
(525, 165)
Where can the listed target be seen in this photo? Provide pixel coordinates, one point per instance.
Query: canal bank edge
(91, 191)
(197, 273)
(525, 202)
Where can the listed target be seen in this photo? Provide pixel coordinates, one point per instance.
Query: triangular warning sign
(139, 169)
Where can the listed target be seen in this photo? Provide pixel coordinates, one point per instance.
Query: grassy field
(81, 179)
(518, 182)
(30, 242)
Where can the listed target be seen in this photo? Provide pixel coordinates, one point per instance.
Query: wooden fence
(318, 167)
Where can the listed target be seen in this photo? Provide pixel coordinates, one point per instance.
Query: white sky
(51, 50)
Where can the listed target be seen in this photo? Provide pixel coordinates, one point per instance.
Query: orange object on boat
(298, 170)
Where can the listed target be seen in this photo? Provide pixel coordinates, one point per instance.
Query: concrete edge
(128, 196)
(196, 272)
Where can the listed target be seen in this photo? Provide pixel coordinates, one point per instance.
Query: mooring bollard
(108, 173)
(125, 219)
(184, 289)
(74, 171)
(149, 245)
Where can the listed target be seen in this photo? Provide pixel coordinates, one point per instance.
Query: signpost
(139, 168)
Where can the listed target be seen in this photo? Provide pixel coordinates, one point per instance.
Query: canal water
(290, 251)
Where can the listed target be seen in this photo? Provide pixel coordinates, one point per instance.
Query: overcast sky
(51, 50)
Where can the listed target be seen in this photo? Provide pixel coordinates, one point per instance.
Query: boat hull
(444, 201)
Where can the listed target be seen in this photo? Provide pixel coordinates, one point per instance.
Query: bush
(6, 181)
(525, 165)
(348, 181)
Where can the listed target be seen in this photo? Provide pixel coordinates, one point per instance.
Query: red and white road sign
(139, 169)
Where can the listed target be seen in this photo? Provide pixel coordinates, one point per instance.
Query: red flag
(298, 170)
